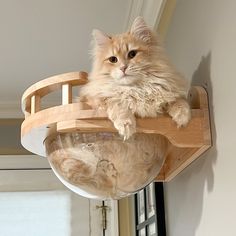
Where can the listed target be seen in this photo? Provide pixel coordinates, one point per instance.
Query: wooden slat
(66, 94)
(190, 136)
(59, 113)
(35, 104)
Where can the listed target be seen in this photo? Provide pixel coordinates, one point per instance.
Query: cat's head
(124, 58)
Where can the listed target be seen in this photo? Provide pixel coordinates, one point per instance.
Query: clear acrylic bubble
(102, 165)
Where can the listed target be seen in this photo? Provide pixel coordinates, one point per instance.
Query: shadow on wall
(202, 77)
(190, 185)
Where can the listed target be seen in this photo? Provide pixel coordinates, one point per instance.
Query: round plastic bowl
(102, 165)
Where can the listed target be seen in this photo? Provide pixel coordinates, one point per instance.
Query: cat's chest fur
(144, 99)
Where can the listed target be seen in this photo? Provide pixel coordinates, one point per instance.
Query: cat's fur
(146, 85)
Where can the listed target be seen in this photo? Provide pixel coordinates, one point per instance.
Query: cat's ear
(101, 38)
(140, 30)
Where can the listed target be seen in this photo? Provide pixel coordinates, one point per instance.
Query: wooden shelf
(187, 143)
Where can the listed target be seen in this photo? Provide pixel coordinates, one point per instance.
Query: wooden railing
(31, 99)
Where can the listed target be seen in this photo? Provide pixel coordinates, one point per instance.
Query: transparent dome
(102, 165)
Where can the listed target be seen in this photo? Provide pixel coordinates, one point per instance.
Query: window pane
(150, 200)
(142, 232)
(152, 229)
(35, 213)
(141, 207)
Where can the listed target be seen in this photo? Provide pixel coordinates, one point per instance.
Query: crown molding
(150, 10)
(13, 109)
(10, 109)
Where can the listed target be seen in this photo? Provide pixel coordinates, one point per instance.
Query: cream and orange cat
(132, 76)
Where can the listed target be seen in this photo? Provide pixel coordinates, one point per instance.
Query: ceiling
(44, 38)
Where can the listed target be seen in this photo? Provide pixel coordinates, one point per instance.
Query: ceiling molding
(150, 10)
(22, 162)
(10, 110)
(13, 109)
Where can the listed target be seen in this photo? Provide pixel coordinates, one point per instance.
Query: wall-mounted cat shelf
(187, 143)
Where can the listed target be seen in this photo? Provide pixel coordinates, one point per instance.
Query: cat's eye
(132, 54)
(113, 59)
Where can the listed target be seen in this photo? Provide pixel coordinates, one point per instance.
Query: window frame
(159, 211)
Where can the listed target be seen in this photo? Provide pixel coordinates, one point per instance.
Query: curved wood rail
(187, 143)
(32, 96)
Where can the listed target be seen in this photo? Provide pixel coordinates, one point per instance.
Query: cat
(132, 76)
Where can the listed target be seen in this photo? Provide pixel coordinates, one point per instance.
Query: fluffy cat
(132, 76)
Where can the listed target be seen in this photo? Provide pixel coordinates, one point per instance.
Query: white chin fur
(120, 78)
(126, 80)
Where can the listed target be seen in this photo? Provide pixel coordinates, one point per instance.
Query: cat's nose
(123, 68)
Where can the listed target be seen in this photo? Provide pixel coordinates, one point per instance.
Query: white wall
(201, 40)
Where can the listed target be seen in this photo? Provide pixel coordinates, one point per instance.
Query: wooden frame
(187, 143)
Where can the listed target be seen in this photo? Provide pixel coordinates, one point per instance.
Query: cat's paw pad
(181, 116)
(126, 127)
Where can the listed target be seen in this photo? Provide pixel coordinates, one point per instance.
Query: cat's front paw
(125, 127)
(182, 117)
(180, 112)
